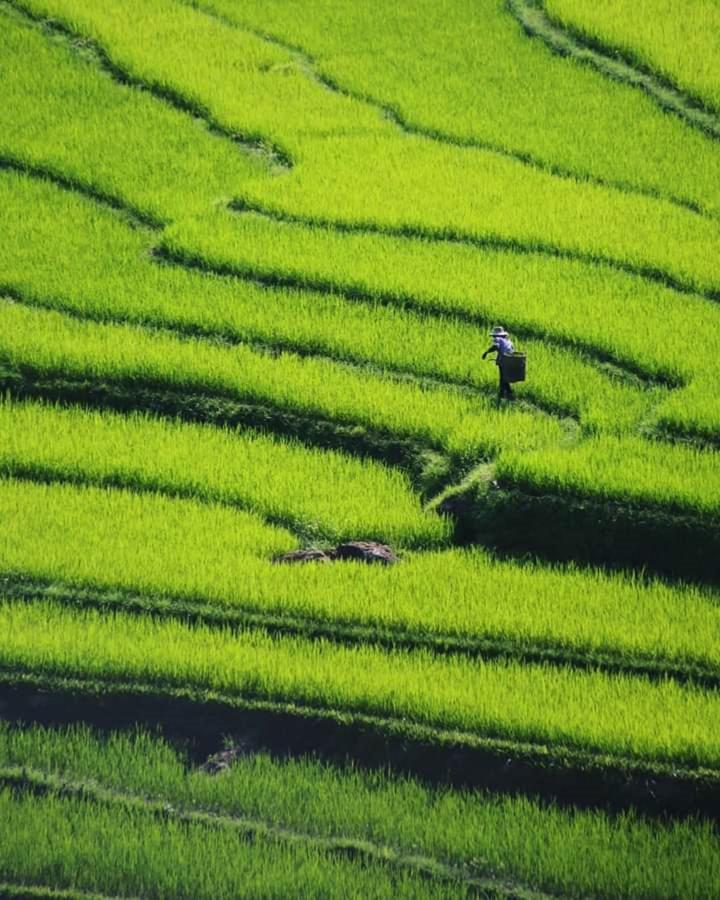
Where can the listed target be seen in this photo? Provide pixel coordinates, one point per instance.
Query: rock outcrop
(362, 551)
(366, 551)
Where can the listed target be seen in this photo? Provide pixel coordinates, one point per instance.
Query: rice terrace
(359, 448)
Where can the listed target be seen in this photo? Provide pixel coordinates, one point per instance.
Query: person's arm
(492, 349)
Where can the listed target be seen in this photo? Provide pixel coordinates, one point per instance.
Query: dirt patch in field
(220, 762)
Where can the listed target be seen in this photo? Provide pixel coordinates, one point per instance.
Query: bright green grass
(618, 715)
(252, 86)
(323, 493)
(185, 551)
(128, 526)
(514, 838)
(695, 410)
(639, 322)
(557, 380)
(680, 41)
(678, 478)
(50, 343)
(107, 272)
(486, 81)
(352, 164)
(85, 537)
(60, 112)
(73, 843)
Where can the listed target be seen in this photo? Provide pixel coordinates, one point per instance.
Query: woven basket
(514, 367)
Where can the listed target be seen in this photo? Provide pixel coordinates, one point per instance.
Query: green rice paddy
(249, 258)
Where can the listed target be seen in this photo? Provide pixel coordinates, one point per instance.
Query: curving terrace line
(674, 433)
(144, 218)
(627, 368)
(357, 362)
(278, 157)
(38, 474)
(36, 781)
(614, 63)
(392, 113)
(255, 144)
(486, 242)
(115, 202)
(222, 410)
(349, 633)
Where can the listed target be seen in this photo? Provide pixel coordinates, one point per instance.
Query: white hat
(498, 331)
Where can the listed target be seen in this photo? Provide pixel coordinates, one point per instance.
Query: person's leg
(504, 389)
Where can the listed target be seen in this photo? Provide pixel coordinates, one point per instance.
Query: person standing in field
(502, 345)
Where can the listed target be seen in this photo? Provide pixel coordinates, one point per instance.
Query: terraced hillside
(250, 256)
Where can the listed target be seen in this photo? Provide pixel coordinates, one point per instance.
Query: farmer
(502, 345)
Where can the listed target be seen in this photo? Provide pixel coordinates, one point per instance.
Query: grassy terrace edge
(575, 527)
(199, 611)
(275, 155)
(184, 258)
(23, 779)
(507, 519)
(619, 64)
(564, 776)
(397, 372)
(118, 204)
(11, 891)
(172, 253)
(279, 158)
(405, 123)
(686, 432)
(219, 409)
